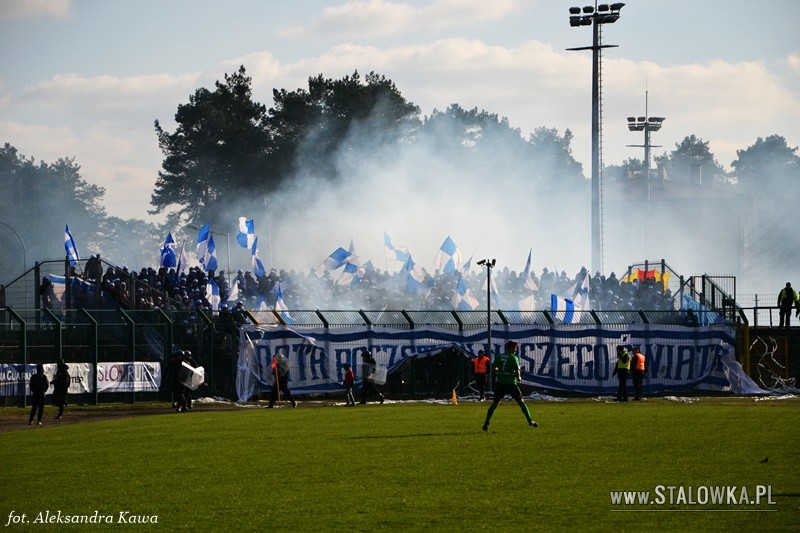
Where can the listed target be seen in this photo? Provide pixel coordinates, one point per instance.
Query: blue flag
(168, 257)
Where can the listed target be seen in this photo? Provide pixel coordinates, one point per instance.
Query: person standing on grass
(621, 371)
(60, 387)
(507, 374)
(39, 385)
(280, 372)
(368, 365)
(480, 370)
(349, 380)
(637, 370)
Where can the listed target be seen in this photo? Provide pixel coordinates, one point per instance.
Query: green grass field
(413, 467)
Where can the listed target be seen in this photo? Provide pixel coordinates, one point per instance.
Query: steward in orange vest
(480, 369)
(637, 370)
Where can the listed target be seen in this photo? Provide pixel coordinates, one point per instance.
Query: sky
(87, 78)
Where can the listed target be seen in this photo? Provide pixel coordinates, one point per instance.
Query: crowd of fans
(162, 288)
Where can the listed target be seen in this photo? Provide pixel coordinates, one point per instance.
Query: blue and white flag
(206, 250)
(168, 257)
(258, 266)
(582, 294)
(463, 300)
(394, 253)
(529, 283)
(247, 233)
(211, 255)
(212, 294)
(233, 293)
(352, 274)
(202, 243)
(261, 304)
(71, 248)
(418, 280)
(562, 309)
(281, 309)
(494, 293)
(449, 258)
(466, 267)
(334, 261)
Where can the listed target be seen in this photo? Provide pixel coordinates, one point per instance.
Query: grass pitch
(414, 467)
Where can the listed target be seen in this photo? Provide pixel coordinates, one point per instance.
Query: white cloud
(19, 9)
(381, 18)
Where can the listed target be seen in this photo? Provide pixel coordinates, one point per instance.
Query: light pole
(489, 264)
(595, 16)
(228, 244)
(646, 124)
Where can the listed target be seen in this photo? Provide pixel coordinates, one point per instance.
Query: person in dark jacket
(39, 385)
(280, 372)
(368, 365)
(60, 387)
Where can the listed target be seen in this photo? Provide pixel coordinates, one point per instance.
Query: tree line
(226, 145)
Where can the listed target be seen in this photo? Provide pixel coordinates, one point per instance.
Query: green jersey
(506, 367)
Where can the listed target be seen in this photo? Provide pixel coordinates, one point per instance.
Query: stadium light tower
(489, 264)
(646, 124)
(595, 17)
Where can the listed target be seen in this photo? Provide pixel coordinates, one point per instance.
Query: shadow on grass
(410, 436)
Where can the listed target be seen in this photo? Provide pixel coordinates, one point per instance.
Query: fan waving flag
(582, 295)
(168, 257)
(463, 300)
(448, 258)
(351, 275)
(247, 233)
(258, 266)
(281, 309)
(71, 248)
(526, 275)
(206, 250)
(417, 280)
(394, 253)
(212, 294)
(562, 309)
(334, 261)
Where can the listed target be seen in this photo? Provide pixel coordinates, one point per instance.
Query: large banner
(14, 379)
(573, 358)
(128, 377)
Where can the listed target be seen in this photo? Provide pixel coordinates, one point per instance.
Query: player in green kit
(506, 368)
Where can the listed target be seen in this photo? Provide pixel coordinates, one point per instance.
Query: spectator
(38, 385)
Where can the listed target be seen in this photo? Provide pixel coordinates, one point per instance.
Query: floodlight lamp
(617, 6)
(608, 19)
(482, 262)
(642, 119)
(588, 10)
(586, 21)
(494, 262)
(657, 119)
(575, 21)
(631, 119)
(574, 11)
(603, 7)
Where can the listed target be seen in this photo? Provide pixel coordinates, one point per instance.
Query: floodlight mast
(595, 16)
(646, 124)
(489, 264)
